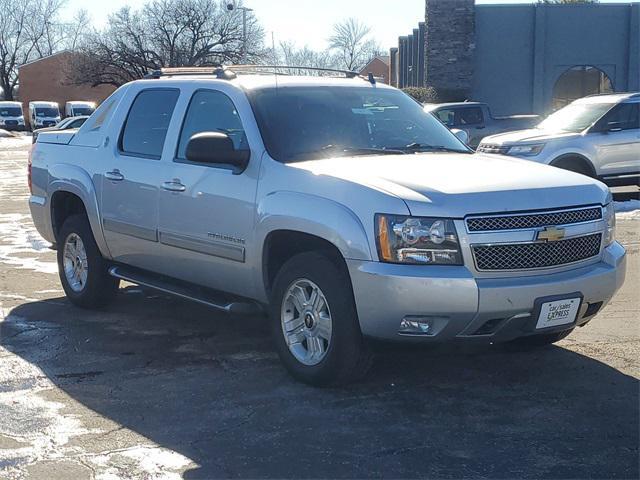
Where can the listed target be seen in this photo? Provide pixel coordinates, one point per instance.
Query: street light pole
(232, 6)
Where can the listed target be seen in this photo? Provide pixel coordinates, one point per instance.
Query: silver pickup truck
(336, 204)
(477, 121)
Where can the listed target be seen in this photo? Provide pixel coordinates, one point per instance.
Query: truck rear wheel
(315, 323)
(83, 271)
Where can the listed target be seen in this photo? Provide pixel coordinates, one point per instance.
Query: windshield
(303, 123)
(78, 111)
(47, 112)
(575, 117)
(10, 112)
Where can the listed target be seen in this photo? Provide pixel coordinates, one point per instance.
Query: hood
(531, 135)
(455, 185)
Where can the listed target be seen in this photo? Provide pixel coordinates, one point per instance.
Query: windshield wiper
(364, 150)
(423, 147)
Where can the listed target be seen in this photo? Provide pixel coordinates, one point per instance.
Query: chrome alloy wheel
(75, 263)
(306, 321)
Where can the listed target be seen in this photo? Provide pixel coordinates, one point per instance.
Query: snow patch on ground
(41, 429)
(10, 141)
(146, 461)
(21, 245)
(628, 210)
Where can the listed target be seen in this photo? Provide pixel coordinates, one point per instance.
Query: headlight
(415, 240)
(610, 219)
(526, 150)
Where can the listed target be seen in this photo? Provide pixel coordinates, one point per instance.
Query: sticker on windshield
(362, 111)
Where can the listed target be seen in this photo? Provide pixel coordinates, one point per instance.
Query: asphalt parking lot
(155, 387)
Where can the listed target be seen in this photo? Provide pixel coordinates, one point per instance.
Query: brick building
(379, 66)
(48, 79)
(524, 58)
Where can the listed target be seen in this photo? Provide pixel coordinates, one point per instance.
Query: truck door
(132, 173)
(207, 212)
(617, 140)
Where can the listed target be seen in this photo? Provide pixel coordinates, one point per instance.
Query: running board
(205, 296)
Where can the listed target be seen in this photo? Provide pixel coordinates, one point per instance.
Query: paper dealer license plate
(558, 312)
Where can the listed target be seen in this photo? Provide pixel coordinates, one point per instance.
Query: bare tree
(165, 33)
(353, 44)
(29, 29)
(290, 55)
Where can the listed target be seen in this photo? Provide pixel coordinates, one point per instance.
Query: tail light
(29, 170)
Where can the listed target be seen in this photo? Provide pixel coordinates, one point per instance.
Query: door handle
(174, 186)
(114, 175)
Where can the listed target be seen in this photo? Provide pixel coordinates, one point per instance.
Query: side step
(205, 296)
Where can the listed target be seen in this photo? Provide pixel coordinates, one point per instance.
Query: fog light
(422, 325)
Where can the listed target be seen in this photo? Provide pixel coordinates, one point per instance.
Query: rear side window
(145, 128)
(469, 116)
(211, 111)
(624, 116)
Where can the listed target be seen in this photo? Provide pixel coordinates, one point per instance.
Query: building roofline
(45, 58)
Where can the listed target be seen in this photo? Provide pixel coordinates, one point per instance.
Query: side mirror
(461, 134)
(216, 148)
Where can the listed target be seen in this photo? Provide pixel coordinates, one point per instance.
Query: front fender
(75, 180)
(313, 215)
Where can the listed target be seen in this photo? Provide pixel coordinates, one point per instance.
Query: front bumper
(387, 293)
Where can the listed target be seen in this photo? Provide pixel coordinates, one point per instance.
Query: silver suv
(597, 136)
(338, 205)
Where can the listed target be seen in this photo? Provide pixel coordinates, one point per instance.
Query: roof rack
(228, 72)
(346, 73)
(217, 70)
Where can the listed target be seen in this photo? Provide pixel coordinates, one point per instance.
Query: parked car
(476, 119)
(79, 109)
(66, 124)
(598, 136)
(11, 116)
(43, 114)
(338, 205)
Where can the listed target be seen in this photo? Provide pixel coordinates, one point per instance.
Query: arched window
(578, 82)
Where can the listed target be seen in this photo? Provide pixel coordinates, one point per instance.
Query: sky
(309, 22)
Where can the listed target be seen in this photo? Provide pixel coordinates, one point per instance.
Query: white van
(43, 114)
(76, 109)
(11, 116)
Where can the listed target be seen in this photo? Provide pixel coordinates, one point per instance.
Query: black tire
(100, 287)
(348, 357)
(536, 341)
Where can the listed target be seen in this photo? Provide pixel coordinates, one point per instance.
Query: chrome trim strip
(530, 213)
(124, 228)
(213, 248)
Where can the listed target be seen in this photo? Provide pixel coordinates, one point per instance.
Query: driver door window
(211, 111)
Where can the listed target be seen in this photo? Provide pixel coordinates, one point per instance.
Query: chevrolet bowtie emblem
(550, 234)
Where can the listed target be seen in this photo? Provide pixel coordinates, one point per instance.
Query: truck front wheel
(315, 323)
(83, 271)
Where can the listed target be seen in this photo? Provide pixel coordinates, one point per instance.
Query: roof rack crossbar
(218, 70)
(346, 73)
(228, 72)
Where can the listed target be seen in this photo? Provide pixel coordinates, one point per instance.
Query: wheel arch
(73, 184)
(575, 157)
(290, 223)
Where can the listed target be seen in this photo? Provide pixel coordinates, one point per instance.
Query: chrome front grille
(491, 148)
(533, 220)
(525, 256)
